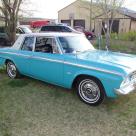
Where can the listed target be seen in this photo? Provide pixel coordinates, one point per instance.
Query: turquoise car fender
(2, 61)
(109, 81)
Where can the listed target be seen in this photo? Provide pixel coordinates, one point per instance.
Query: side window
(46, 45)
(65, 45)
(28, 44)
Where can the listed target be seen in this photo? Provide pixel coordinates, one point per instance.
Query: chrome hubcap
(11, 69)
(89, 91)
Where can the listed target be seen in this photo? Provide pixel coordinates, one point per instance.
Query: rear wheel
(90, 91)
(12, 70)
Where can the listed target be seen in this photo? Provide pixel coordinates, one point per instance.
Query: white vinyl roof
(52, 34)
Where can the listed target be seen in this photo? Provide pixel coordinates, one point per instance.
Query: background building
(2, 22)
(79, 13)
(1, 17)
(27, 21)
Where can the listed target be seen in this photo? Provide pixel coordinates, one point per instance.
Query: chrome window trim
(47, 59)
(34, 43)
(69, 63)
(62, 51)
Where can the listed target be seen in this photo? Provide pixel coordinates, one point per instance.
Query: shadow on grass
(17, 83)
(3, 70)
(55, 92)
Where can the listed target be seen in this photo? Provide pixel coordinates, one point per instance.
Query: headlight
(125, 82)
(128, 79)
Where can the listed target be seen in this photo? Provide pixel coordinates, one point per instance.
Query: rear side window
(28, 44)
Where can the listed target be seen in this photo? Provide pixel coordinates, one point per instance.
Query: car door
(47, 61)
(25, 52)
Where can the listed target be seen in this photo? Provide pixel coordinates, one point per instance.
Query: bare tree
(27, 9)
(91, 7)
(10, 10)
(109, 9)
(91, 15)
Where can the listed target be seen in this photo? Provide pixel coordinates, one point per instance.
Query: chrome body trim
(67, 63)
(47, 59)
(13, 53)
(94, 68)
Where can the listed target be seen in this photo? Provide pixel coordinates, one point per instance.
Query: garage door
(79, 23)
(68, 22)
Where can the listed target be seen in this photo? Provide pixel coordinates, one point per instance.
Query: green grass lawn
(119, 46)
(32, 108)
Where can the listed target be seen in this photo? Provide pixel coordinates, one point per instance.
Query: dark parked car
(58, 28)
(90, 35)
(4, 38)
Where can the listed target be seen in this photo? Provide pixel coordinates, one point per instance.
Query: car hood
(120, 62)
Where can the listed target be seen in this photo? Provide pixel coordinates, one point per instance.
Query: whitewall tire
(90, 91)
(12, 70)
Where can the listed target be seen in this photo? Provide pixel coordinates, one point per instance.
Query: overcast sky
(49, 8)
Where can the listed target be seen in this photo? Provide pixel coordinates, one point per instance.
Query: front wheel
(12, 70)
(90, 91)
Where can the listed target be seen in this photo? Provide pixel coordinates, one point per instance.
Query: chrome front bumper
(127, 89)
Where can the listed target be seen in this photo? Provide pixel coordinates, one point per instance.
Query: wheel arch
(7, 60)
(87, 76)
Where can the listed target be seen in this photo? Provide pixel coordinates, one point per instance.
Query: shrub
(114, 36)
(130, 36)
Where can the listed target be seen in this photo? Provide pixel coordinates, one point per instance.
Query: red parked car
(90, 35)
(39, 23)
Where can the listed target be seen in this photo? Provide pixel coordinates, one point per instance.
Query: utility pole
(91, 5)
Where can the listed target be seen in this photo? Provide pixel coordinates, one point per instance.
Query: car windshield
(71, 28)
(73, 44)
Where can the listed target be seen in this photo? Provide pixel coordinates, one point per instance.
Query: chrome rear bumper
(127, 89)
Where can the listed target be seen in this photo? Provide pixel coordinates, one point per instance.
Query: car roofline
(52, 34)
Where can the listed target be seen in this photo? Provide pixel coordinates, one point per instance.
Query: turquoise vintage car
(69, 60)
